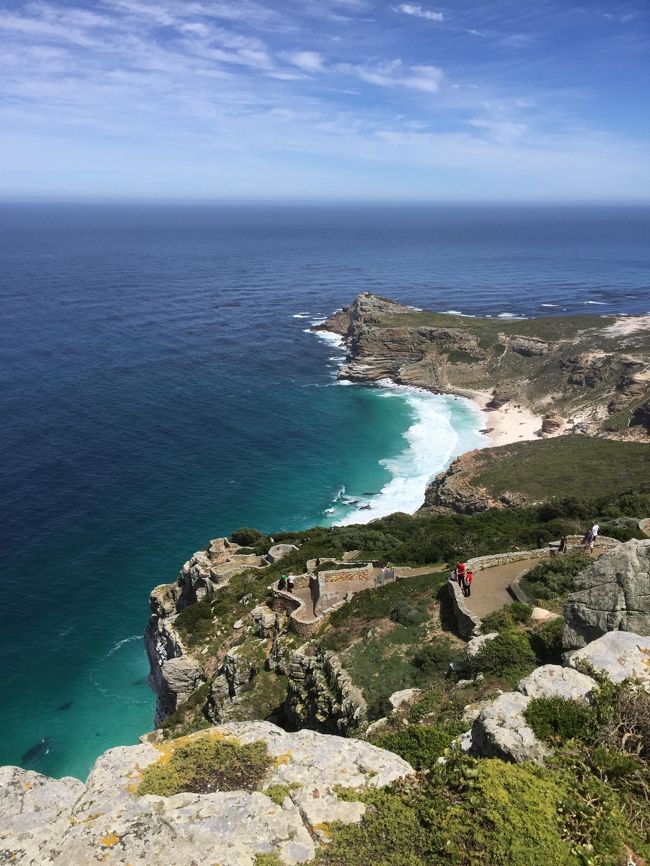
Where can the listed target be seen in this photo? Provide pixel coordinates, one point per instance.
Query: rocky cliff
(62, 822)
(588, 372)
(611, 595)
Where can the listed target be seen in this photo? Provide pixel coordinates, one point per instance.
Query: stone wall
(469, 625)
(358, 573)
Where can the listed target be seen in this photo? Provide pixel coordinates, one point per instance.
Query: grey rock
(476, 643)
(501, 731)
(619, 654)
(179, 677)
(34, 812)
(555, 681)
(612, 594)
(405, 696)
(64, 823)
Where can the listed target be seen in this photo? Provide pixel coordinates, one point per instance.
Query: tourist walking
(595, 529)
(586, 541)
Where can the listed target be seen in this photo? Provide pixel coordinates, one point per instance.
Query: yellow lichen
(109, 840)
(283, 759)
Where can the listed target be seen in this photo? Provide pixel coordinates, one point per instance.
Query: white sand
(628, 325)
(511, 423)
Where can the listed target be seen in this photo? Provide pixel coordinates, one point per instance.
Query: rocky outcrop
(501, 731)
(321, 695)
(551, 681)
(563, 362)
(174, 674)
(619, 655)
(226, 689)
(612, 594)
(65, 823)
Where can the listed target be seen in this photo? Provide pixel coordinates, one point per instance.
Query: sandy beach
(510, 423)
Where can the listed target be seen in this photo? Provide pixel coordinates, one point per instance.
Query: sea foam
(442, 428)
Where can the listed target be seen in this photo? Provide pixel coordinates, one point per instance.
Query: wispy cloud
(308, 61)
(253, 97)
(418, 11)
(396, 74)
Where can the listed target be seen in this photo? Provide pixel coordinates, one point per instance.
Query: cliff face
(63, 822)
(588, 370)
(174, 672)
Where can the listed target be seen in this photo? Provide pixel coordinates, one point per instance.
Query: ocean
(161, 387)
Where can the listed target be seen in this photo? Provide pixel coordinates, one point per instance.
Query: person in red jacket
(461, 568)
(469, 577)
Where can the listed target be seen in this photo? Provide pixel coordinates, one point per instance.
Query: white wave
(315, 322)
(328, 337)
(549, 305)
(599, 303)
(344, 382)
(442, 428)
(340, 493)
(120, 643)
(458, 313)
(301, 315)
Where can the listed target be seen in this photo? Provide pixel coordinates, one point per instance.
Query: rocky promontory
(588, 373)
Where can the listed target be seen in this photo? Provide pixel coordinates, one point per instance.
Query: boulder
(62, 822)
(619, 654)
(405, 696)
(501, 731)
(551, 681)
(612, 594)
(477, 643)
(552, 423)
(179, 677)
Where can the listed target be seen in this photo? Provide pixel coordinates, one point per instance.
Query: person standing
(314, 591)
(291, 582)
(469, 577)
(461, 568)
(563, 545)
(595, 529)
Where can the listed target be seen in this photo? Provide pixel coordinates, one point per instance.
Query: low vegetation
(587, 807)
(553, 580)
(570, 466)
(204, 764)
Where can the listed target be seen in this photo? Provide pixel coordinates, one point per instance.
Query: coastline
(508, 424)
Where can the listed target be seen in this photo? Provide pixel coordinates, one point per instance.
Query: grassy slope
(567, 466)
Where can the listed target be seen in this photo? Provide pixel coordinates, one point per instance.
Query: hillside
(527, 472)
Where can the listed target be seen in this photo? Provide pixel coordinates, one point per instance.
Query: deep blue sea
(159, 387)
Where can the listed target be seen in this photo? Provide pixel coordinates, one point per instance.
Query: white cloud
(419, 12)
(308, 61)
(395, 74)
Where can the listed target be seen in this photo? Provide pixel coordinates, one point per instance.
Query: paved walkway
(489, 588)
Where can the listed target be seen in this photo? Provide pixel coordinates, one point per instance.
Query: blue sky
(326, 99)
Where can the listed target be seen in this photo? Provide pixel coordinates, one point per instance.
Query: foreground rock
(501, 731)
(62, 822)
(613, 594)
(620, 655)
(552, 681)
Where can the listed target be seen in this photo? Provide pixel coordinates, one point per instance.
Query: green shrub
(434, 658)
(408, 614)
(546, 641)
(420, 745)
(558, 719)
(508, 655)
(204, 764)
(507, 617)
(554, 578)
(246, 537)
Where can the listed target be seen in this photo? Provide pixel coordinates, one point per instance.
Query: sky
(325, 100)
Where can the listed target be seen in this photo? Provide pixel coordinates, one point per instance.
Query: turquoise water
(158, 390)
